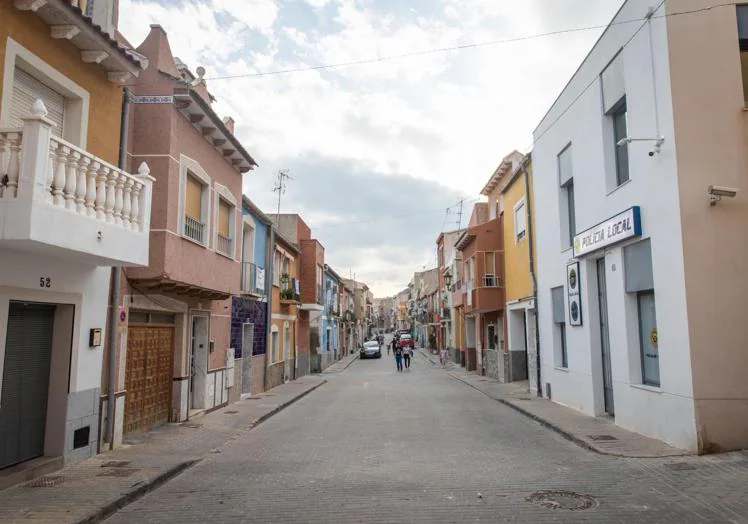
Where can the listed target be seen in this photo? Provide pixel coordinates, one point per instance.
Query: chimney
(229, 123)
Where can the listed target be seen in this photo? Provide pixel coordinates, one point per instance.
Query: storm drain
(193, 426)
(115, 464)
(232, 412)
(567, 500)
(602, 437)
(680, 466)
(47, 481)
(117, 472)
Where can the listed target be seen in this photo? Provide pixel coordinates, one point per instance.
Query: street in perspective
(332, 261)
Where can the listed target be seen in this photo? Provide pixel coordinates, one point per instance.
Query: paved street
(374, 445)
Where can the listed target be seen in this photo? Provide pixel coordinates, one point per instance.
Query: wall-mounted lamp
(717, 192)
(654, 151)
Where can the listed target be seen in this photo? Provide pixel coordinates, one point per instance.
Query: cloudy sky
(379, 153)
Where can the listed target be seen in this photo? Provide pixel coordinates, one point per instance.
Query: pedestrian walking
(407, 353)
(399, 357)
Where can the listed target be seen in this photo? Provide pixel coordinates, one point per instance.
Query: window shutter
(26, 91)
(224, 214)
(557, 299)
(193, 201)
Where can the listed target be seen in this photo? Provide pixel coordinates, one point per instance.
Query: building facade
(331, 343)
(635, 164)
(174, 318)
(249, 310)
(283, 353)
(69, 209)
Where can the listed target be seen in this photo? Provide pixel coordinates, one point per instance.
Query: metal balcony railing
(224, 245)
(253, 279)
(194, 229)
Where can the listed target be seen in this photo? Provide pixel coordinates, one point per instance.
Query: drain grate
(115, 464)
(193, 426)
(117, 472)
(602, 437)
(680, 466)
(48, 481)
(232, 412)
(567, 500)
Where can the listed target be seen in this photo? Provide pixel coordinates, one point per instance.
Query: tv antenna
(459, 215)
(280, 186)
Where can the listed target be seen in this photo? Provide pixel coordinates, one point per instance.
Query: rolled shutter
(26, 91)
(193, 200)
(224, 214)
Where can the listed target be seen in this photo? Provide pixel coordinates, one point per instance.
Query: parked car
(371, 349)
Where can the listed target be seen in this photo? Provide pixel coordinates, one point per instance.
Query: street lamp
(448, 280)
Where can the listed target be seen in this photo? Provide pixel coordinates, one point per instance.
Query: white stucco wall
(577, 117)
(85, 287)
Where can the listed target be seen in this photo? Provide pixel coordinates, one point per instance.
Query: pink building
(174, 316)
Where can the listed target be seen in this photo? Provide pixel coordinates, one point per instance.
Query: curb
(256, 422)
(354, 359)
(564, 433)
(162, 478)
(143, 489)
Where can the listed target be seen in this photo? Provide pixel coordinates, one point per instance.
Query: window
(620, 131)
(559, 327)
(490, 272)
(274, 344)
(520, 220)
(194, 225)
(568, 214)
(285, 272)
(27, 90)
(648, 338)
(224, 242)
(742, 12)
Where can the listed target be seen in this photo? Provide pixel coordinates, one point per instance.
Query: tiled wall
(247, 310)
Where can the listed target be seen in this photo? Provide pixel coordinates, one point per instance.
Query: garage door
(148, 376)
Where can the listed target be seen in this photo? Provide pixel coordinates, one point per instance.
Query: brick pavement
(94, 488)
(379, 446)
(574, 425)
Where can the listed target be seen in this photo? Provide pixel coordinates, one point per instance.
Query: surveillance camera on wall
(716, 193)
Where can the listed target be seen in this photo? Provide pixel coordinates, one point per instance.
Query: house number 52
(45, 282)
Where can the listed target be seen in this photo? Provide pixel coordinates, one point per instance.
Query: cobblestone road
(374, 445)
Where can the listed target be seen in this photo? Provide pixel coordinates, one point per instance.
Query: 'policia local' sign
(616, 229)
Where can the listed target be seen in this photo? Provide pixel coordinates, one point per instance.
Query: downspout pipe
(116, 281)
(533, 276)
(269, 261)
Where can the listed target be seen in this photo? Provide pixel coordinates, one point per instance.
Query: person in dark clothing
(406, 357)
(398, 357)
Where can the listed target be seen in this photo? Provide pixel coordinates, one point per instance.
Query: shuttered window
(26, 91)
(193, 200)
(224, 214)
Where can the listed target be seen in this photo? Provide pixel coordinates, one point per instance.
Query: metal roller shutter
(23, 407)
(26, 91)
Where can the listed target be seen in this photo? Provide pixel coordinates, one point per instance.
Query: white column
(34, 162)
(58, 184)
(111, 181)
(14, 167)
(81, 187)
(135, 209)
(71, 180)
(51, 172)
(127, 190)
(101, 175)
(146, 195)
(119, 187)
(91, 189)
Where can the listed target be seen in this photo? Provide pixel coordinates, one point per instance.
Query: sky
(380, 154)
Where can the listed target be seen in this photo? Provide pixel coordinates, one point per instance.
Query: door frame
(606, 369)
(205, 350)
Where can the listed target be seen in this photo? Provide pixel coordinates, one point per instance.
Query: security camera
(722, 191)
(652, 153)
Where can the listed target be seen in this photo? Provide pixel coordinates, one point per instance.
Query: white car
(371, 349)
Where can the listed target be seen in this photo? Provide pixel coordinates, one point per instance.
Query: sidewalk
(342, 364)
(594, 433)
(94, 489)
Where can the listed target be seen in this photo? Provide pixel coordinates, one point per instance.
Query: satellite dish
(200, 71)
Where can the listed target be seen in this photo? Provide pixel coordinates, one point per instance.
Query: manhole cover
(48, 481)
(117, 472)
(602, 437)
(680, 466)
(194, 426)
(232, 412)
(115, 464)
(562, 500)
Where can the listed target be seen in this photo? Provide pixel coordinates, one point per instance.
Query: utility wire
(461, 47)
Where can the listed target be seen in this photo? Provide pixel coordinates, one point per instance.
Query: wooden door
(148, 376)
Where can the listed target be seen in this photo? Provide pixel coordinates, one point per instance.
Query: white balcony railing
(38, 169)
(194, 229)
(224, 245)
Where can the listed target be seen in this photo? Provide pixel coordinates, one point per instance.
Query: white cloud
(446, 117)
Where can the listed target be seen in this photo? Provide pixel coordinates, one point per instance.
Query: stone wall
(491, 363)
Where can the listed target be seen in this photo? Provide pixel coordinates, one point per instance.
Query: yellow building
(519, 249)
(281, 352)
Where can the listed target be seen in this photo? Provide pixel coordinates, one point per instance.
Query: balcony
(253, 279)
(224, 245)
(61, 201)
(488, 296)
(194, 229)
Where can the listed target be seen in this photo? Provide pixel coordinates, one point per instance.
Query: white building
(642, 284)
(66, 217)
